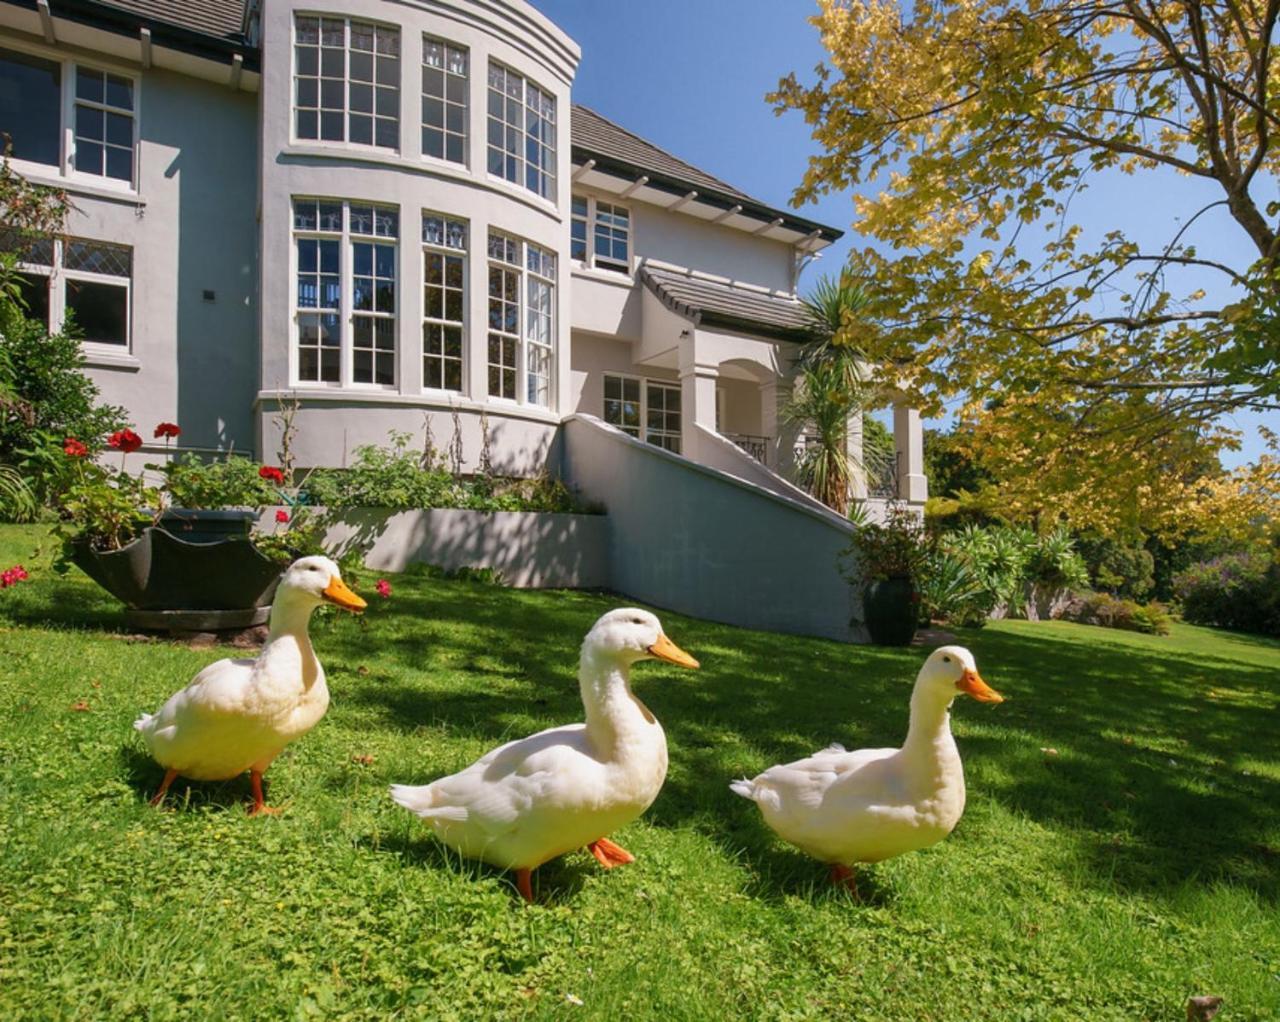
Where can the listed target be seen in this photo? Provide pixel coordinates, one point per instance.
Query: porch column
(697, 394)
(908, 441)
(780, 432)
(853, 449)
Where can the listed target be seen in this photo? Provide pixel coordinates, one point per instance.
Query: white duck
(872, 804)
(530, 800)
(238, 715)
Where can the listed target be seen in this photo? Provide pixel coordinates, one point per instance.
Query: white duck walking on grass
(238, 715)
(567, 787)
(872, 804)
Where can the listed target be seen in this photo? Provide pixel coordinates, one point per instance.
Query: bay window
(444, 100)
(521, 341)
(346, 81)
(345, 299)
(522, 132)
(444, 269)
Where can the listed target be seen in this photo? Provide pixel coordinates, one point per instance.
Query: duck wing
(219, 691)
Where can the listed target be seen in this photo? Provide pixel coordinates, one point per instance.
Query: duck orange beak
(973, 684)
(665, 649)
(337, 593)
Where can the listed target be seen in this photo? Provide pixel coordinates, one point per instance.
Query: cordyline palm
(830, 387)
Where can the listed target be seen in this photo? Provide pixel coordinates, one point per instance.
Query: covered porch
(734, 349)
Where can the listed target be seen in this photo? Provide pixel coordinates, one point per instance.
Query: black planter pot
(212, 577)
(890, 610)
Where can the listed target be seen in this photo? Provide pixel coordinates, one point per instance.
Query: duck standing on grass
(238, 715)
(567, 787)
(845, 807)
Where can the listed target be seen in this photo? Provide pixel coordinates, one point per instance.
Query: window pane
(33, 289)
(101, 311)
(31, 106)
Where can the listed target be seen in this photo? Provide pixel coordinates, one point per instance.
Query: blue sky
(691, 77)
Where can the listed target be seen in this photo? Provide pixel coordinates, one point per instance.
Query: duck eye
(946, 660)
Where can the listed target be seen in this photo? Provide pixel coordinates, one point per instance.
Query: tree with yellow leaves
(979, 121)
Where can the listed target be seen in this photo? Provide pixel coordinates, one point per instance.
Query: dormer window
(346, 81)
(601, 234)
(522, 132)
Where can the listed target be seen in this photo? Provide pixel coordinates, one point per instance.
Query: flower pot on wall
(174, 583)
(890, 609)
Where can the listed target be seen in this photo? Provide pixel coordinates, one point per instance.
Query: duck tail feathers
(143, 723)
(420, 800)
(744, 787)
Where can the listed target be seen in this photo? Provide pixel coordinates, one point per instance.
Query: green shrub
(951, 590)
(1109, 611)
(1117, 568)
(1239, 591)
(230, 482)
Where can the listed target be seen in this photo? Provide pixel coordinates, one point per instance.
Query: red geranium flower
(125, 440)
(282, 516)
(13, 576)
(271, 473)
(168, 430)
(73, 448)
(383, 588)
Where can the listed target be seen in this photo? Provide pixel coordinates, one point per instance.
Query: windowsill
(102, 358)
(616, 277)
(445, 400)
(41, 174)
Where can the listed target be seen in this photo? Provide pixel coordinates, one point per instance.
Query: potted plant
(181, 555)
(885, 558)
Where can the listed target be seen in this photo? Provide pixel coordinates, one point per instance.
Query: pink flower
(125, 440)
(272, 474)
(282, 516)
(383, 588)
(168, 430)
(73, 448)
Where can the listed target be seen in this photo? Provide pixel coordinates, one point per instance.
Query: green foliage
(1239, 591)
(395, 476)
(895, 548)
(951, 590)
(1108, 611)
(103, 507)
(18, 501)
(50, 400)
(302, 536)
(822, 402)
(1117, 567)
(228, 482)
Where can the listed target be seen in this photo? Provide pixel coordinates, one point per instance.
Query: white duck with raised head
(239, 715)
(567, 787)
(872, 804)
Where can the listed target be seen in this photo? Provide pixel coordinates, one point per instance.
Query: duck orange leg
(259, 803)
(169, 777)
(608, 854)
(844, 876)
(524, 884)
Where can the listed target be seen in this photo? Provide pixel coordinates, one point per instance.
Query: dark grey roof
(712, 303)
(221, 18)
(616, 150)
(593, 133)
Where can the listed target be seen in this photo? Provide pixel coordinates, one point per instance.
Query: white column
(774, 424)
(853, 449)
(908, 440)
(697, 394)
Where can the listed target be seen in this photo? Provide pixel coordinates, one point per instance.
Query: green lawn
(1138, 865)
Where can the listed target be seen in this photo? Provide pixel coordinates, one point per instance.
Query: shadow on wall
(213, 174)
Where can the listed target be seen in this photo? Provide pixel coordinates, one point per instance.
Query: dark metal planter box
(212, 577)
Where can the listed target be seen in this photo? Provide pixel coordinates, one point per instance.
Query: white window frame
(548, 181)
(591, 224)
(57, 275)
(446, 251)
(64, 172)
(527, 277)
(646, 384)
(345, 141)
(448, 46)
(346, 312)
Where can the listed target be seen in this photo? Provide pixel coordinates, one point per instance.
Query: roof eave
(707, 196)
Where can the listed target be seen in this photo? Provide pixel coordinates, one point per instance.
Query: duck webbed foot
(608, 854)
(844, 876)
(260, 807)
(524, 884)
(169, 777)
